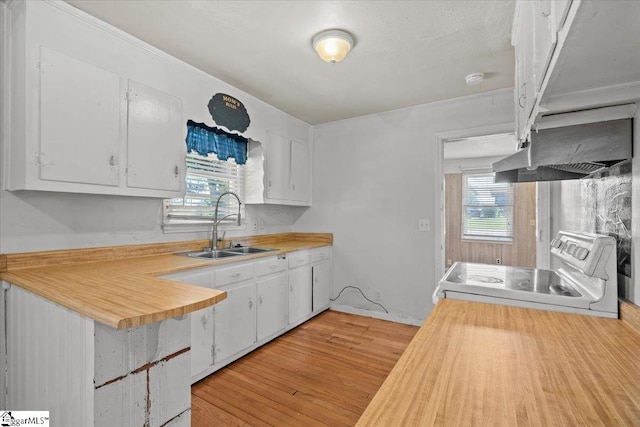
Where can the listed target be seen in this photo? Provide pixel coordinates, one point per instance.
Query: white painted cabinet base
(88, 374)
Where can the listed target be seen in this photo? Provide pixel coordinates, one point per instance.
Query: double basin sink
(225, 253)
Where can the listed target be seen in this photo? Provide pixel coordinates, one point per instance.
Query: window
(487, 208)
(207, 178)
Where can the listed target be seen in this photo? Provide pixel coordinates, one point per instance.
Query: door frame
(542, 196)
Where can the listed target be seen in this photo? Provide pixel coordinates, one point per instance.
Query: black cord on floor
(363, 295)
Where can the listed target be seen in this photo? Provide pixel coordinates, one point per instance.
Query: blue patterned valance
(204, 140)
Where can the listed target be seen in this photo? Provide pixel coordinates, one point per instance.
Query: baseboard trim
(377, 315)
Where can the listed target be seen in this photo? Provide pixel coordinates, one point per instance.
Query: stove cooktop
(511, 278)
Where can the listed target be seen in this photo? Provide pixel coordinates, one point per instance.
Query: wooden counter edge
(630, 314)
(167, 314)
(26, 260)
(10, 271)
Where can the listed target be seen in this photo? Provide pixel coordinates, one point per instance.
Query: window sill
(495, 240)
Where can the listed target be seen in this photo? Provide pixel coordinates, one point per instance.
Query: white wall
(373, 177)
(36, 221)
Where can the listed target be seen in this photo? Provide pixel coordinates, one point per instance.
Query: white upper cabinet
(95, 110)
(544, 39)
(280, 171)
(300, 172)
(277, 170)
(574, 55)
(79, 121)
(155, 128)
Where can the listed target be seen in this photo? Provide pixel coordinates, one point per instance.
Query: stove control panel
(587, 252)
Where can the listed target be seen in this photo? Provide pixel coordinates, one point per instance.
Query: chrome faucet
(216, 221)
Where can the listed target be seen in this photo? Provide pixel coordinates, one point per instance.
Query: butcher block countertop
(479, 364)
(117, 286)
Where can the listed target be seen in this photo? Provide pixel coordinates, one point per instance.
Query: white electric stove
(585, 284)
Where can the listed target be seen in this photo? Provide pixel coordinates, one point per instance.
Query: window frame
(504, 239)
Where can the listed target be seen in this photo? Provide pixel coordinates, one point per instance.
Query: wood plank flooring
(323, 373)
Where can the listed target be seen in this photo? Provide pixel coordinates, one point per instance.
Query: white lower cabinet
(272, 305)
(321, 274)
(235, 321)
(201, 322)
(299, 294)
(265, 298)
(202, 330)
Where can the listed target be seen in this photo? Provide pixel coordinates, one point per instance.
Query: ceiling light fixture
(474, 78)
(333, 45)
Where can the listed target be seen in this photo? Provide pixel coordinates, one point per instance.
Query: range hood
(568, 152)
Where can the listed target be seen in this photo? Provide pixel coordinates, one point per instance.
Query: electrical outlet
(449, 262)
(378, 295)
(424, 224)
(254, 224)
(498, 261)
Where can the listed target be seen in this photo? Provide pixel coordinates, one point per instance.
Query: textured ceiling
(406, 53)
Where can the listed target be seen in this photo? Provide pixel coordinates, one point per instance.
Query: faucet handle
(220, 239)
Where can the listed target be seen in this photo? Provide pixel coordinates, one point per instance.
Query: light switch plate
(424, 224)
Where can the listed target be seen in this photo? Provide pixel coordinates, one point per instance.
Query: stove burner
(475, 278)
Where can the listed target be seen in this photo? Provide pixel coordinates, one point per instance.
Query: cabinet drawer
(271, 265)
(320, 254)
(236, 273)
(298, 258)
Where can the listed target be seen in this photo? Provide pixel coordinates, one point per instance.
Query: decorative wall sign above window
(227, 111)
(204, 140)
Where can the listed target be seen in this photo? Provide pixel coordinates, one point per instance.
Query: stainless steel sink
(224, 253)
(209, 254)
(249, 250)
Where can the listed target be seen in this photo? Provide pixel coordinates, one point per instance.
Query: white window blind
(207, 178)
(487, 208)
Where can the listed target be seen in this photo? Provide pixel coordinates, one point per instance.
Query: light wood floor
(324, 372)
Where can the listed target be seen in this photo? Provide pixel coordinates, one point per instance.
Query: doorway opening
(483, 221)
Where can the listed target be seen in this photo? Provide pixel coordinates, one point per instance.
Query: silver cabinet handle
(235, 276)
(112, 160)
(203, 320)
(250, 304)
(176, 171)
(269, 183)
(260, 300)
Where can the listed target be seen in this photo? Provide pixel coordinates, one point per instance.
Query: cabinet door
(321, 286)
(235, 321)
(278, 166)
(155, 147)
(201, 340)
(201, 321)
(272, 305)
(300, 294)
(559, 13)
(80, 108)
(544, 41)
(300, 172)
(525, 93)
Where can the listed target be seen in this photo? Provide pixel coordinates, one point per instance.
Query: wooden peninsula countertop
(117, 286)
(479, 364)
